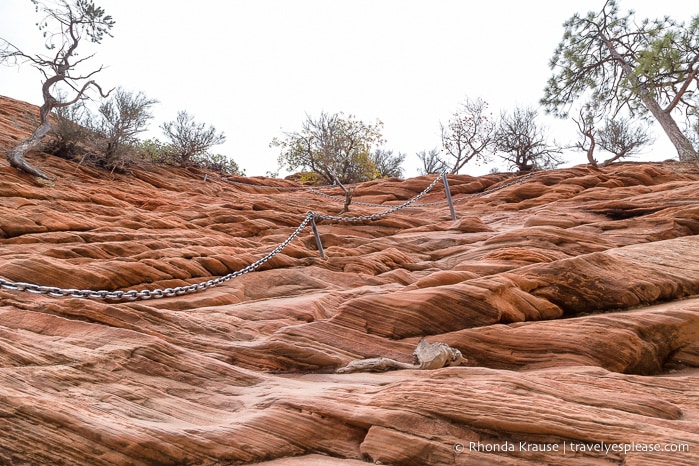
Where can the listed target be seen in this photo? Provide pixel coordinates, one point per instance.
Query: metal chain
(342, 199)
(428, 204)
(182, 290)
(483, 193)
(376, 216)
(314, 190)
(148, 294)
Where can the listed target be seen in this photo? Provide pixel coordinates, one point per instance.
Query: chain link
(148, 294)
(427, 204)
(314, 190)
(182, 290)
(342, 199)
(480, 194)
(378, 215)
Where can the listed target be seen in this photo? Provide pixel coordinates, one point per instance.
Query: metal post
(446, 189)
(318, 243)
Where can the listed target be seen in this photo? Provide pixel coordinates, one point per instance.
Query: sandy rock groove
(572, 294)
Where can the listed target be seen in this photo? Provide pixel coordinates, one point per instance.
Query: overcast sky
(255, 68)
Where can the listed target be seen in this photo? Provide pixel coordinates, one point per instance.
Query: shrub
(121, 119)
(622, 139)
(154, 151)
(218, 163)
(189, 139)
(69, 136)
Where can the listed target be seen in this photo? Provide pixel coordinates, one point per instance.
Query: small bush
(69, 136)
(121, 119)
(189, 139)
(622, 139)
(218, 163)
(155, 151)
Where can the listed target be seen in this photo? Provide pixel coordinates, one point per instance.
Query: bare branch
(586, 126)
(520, 141)
(468, 135)
(73, 18)
(645, 67)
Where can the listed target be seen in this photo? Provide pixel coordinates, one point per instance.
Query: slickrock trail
(574, 294)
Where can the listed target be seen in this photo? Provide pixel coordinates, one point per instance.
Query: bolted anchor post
(446, 189)
(318, 242)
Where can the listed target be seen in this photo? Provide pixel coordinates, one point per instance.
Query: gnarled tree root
(16, 155)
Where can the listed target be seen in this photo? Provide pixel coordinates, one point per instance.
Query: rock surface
(572, 293)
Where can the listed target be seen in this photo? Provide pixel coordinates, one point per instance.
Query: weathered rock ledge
(573, 295)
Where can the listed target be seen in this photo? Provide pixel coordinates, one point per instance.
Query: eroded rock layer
(574, 294)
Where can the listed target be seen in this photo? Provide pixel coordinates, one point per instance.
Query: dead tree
(73, 20)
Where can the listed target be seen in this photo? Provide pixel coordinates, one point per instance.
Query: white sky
(254, 68)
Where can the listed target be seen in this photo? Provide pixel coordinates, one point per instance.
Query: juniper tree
(336, 148)
(65, 24)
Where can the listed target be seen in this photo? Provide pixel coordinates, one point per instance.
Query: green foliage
(121, 119)
(74, 19)
(387, 165)
(333, 146)
(159, 153)
(154, 151)
(583, 62)
(218, 163)
(615, 62)
(309, 178)
(189, 139)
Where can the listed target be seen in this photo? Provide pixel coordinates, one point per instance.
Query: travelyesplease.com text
(570, 447)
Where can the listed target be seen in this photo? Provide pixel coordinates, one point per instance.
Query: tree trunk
(684, 146)
(591, 150)
(16, 155)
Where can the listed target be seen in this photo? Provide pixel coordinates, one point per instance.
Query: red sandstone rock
(573, 294)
